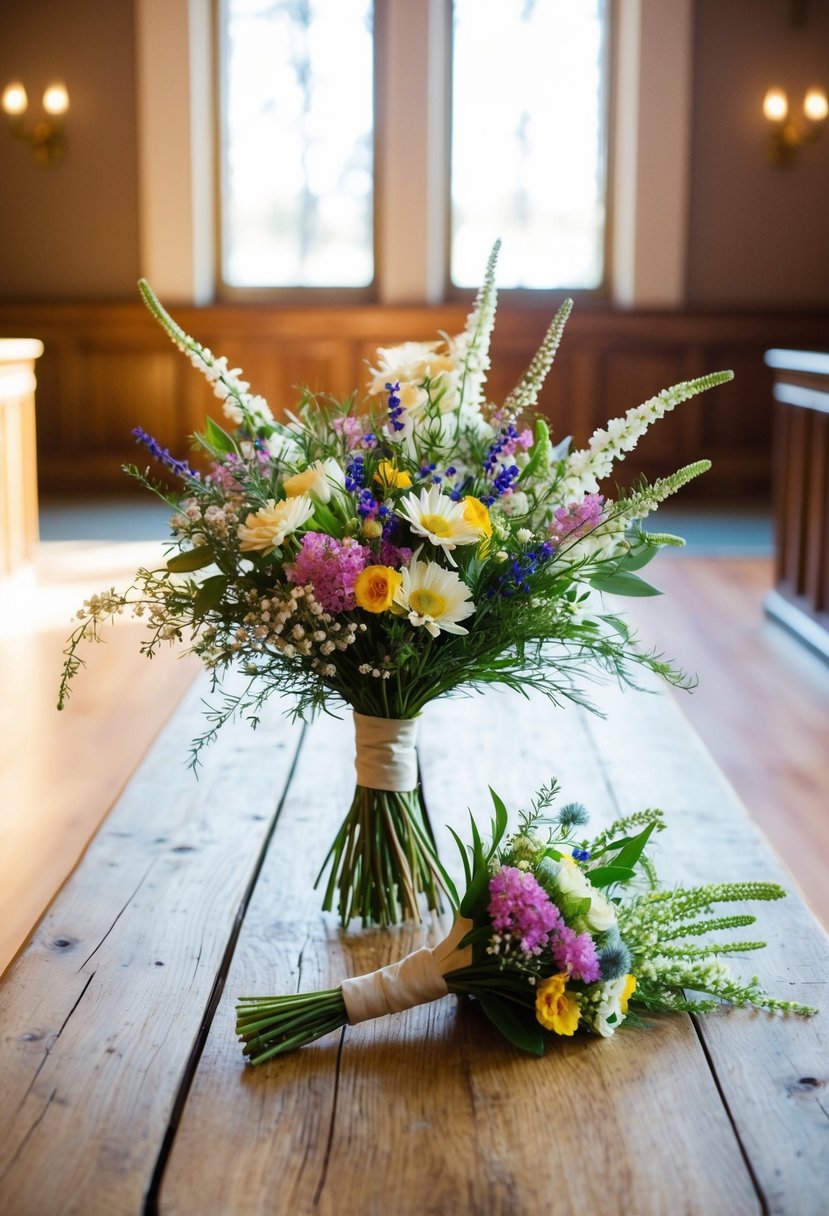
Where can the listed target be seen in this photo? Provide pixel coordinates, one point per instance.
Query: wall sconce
(786, 135)
(45, 137)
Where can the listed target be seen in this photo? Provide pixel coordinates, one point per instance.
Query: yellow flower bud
(372, 528)
(392, 477)
(476, 514)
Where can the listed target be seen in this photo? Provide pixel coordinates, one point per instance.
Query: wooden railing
(800, 599)
(108, 367)
(18, 460)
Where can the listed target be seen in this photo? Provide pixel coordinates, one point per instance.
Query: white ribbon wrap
(415, 980)
(386, 757)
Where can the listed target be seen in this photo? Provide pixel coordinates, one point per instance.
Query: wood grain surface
(99, 1016)
(126, 1091)
(429, 1111)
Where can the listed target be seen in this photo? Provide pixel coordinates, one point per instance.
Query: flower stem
(382, 859)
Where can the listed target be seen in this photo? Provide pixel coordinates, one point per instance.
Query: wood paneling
(108, 368)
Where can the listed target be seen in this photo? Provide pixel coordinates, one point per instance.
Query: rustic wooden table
(123, 1086)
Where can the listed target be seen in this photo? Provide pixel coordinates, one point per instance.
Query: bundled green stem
(273, 1026)
(382, 859)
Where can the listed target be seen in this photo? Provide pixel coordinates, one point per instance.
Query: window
(528, 141)
(528, 118)
(296, 147)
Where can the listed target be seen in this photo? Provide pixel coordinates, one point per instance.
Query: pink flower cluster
(571, 522)
(222, 475)
(394, 555)
(519, 906)
(522, 441)
(331, 567)
(353, 432)
(576, 953)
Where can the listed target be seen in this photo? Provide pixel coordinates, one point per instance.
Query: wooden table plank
(430, 1111)
(773, 1072)
(98, 1017)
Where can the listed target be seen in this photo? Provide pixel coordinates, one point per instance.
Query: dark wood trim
(108, 367)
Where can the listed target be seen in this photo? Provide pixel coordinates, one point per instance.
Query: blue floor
(727, 530)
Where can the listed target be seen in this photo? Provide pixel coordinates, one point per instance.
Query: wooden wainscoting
(108, 367)
(800, 599)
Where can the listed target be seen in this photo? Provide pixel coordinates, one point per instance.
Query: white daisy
(443, 522)
(264, 530)
(433, 597)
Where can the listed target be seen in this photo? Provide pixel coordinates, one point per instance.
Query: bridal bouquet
(553, 934)
(383, 552)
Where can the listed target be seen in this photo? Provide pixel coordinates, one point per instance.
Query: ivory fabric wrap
(386, 757)
(415, 980)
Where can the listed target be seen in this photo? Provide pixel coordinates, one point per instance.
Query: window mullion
(412, 106)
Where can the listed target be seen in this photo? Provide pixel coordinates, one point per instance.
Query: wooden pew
(800, 599)
(124, 1089)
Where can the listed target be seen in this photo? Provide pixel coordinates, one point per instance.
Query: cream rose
(571, 880)
(317, 480)
(264, 530)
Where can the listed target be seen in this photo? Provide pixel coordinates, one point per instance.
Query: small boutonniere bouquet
(391, 550)
(554, 934)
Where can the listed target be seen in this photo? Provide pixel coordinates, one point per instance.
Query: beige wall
(71, 231)
(756, 237)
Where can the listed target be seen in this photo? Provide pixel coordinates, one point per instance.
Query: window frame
(293, 295)
(380, 291)
(541, 297)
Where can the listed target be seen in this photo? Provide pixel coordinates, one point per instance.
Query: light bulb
(815, 105)
(56, 98)
(14, 100)
(775, 105)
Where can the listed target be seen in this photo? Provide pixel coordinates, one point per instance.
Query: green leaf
(538, 452)
(622, 583)
(639, 557)
(218, 438)
(500, 824)
(210, 592)
(190, 559)
(464, 858)
(603, 876)
(325, 518)
(519, 1028)
(480, 874)
(633, 849)
(482, 934)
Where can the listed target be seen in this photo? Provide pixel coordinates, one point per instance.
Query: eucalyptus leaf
(210, 593)
(190, 559)
(622, 583)
(638, 557)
